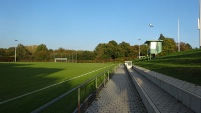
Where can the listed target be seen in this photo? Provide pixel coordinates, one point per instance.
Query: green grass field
(184, 65)
(20, 78)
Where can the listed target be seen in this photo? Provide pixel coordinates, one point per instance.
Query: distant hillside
(184, 65)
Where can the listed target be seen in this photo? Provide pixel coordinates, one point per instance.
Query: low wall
(189, 94)
(150, 106)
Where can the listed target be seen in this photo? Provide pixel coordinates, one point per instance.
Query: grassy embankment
(184, 65)
(20, 78)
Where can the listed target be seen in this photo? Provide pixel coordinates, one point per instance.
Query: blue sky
(83, 24)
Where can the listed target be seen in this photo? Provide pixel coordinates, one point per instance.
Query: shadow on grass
(17, 79)
(187, 73)
(20, 78)
(88, 93)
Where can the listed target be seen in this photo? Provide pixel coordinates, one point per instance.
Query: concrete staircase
(161, 93)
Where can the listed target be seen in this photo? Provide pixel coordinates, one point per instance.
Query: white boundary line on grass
(5, 101)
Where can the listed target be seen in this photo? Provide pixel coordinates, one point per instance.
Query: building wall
(155, 47)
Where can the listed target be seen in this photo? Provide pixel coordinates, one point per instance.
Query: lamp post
(150, 38)
(15, 51)
(150, 29)
(178, 37)
(147, 51)
(199, 21)
(139, 47)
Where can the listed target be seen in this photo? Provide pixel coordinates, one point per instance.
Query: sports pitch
(39, 83)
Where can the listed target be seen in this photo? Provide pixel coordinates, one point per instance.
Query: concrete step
(189, 94)
(155, 99)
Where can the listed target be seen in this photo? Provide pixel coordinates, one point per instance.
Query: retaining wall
(189, 94)
(150, 106)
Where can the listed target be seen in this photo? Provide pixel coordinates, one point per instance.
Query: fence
(84, 93)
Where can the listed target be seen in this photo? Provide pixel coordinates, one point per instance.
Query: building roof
(148, 41)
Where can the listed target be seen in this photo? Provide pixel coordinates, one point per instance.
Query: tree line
(103, 52)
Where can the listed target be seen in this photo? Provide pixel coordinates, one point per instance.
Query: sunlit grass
(21, 78)
(182, 65)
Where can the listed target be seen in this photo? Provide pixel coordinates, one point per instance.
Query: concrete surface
(119, 96)
(163, 101)
(189, 94)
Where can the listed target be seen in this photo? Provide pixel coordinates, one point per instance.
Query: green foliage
(113, 50)
(85, 55)
(143, 50)
(7, 55)
(126, 49)
(41, 47)
(185, 65)
(10, 51)
(135, 50)
(32, 48)
(2, 52)
(168, 46)
(22, 52)
(112, 42)
(103, 52)
(162, 37)
(185, 46)
(42, 53)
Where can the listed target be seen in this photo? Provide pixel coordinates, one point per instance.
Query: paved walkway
(119, 96)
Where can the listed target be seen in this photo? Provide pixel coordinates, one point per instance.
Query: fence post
(78, 100)
(108, 75)
(96, 83)
(104, 79)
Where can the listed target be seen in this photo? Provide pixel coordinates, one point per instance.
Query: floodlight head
(151, 25)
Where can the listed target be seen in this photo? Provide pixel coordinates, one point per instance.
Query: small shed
(154, 47)
(128, 64)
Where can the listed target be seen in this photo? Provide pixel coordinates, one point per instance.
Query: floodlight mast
(150, 30)
(178, 37)
(139, 47)
(15, 52)
(199, 21)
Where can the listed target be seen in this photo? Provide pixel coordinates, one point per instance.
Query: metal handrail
(74, 89)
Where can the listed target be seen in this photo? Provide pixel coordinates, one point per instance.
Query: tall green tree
(42, 53)
(101, 51)
(10, 51)
(61, 53)
(185, 46)
(22, 52)
(32, 48)
(168, 45)
(126, 49)
(86, 55)
(135, 50)
(114, 50)
(41, 47)
(2, 52)
(161, 37)
(110, 50)
(143, 50)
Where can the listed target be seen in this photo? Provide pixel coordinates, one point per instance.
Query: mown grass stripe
(184, 65)
(8, 100)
